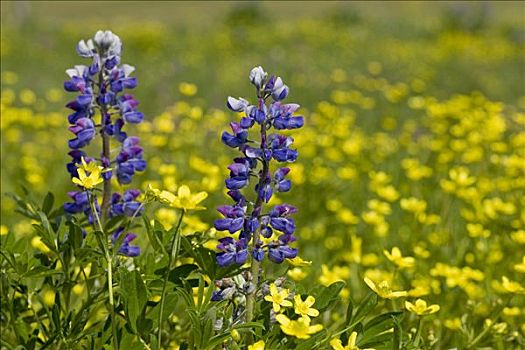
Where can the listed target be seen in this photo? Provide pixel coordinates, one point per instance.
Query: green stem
(475, 341)
(419, 330)
(109, 261)
(173, 254)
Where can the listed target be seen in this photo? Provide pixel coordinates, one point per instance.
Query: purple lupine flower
(233, 219)
(238, 137)
(282, 116)
(101, 89)
(84, 130)
(239, 174)
(232, 251)
(76, 158)
(256, 162)
(126, 204)
(81, 204)
(125, 248)
(281, 183)
(129, 160)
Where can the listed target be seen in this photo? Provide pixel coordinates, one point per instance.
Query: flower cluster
(300, 328)
(103, 108)
(247, 216)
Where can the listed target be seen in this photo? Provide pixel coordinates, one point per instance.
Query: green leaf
(177, 274)
(134, 294)
(75, 235)
(380, 324)
(366, 306)
(40, 271)
(156, 243)
(47, 204)
(112, 223)
(328, 295)
(349, 311)
(196, 327)
(249, 326)
(216, 340)
(312, 342)
(46, 232)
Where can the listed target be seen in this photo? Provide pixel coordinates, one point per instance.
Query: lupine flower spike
(103, 108)
(254, 163)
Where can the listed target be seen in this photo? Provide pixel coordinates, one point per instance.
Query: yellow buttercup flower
(397, 258)
(257, 346)
(278, 298)
(521, 266)
(91, 167)
(384, 290)
(297, 274)
(184, 199)
(87, 181)
(337, 344)
(188, 201)
(304, 308)
(512, 286)
(299, 328)
(420, 307)
(188, 89)
(299, 262)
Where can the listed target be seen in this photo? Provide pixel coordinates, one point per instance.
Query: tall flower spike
(254, 179)
(103, 108)
(255, 162)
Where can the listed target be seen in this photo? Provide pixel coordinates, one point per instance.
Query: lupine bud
(237, 105)
(258, 76)
(279, 91)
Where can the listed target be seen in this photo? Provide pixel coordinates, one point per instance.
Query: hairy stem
(106, 199)
(106, 150)
(173, 254)
(255, 265)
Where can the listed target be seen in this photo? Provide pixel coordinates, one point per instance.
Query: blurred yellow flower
(520, 267)
(453, 324)
(299, 262)
(337, 273)
(297, 274)
(512, 286)
(257, 346)
(337, 344)
(299, 328)
(383, 289)
(188, 89)
(183, 200)
(420, 307)
(397, 258)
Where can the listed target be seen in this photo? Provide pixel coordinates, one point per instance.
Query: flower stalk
(173, 255)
